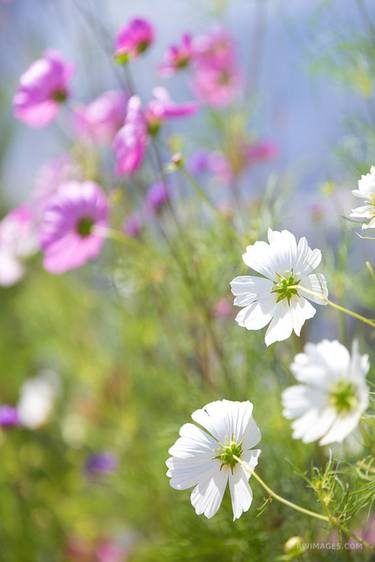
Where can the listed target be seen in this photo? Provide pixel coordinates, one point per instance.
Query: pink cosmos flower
(216, 86)
(214, 50)
(162, 107)
(73, 225)
(18, 241)
(133, 40)
(216, 79)
(130, 142)
(177, 57)
(41, 90)
(101, 119)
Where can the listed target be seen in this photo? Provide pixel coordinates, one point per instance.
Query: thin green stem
(289, 503)
(326, 300)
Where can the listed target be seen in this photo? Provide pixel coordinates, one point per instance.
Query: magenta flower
(18, 241)
(73, 227)
(177, 57)
(130, 142)
(132, 226)
(8, 416)
(102, 118)
(133, 40)
(162, 107)
(43, 87)
(156, 197)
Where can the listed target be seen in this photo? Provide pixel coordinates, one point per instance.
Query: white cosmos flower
(333, 396)
(205, 456)
(272, 297)
(37, 398)
(365, 191)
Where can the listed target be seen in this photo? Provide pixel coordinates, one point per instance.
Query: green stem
(289, 503)
(326, 300)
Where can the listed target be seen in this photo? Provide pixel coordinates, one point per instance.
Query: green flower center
(84, 227)
(343, 397)
(229, 454)
(59, 96)
(285, 287)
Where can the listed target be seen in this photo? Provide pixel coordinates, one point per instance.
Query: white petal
(315, 282)
(281, 325)
(260, 258)
(193, 441)
(341, 428)
(185, 474)
(300, 310)
(225, 419)
(208, 494)
(240, 491)
(257, 315)
(250, 285)
(324, 421)
(299, 399)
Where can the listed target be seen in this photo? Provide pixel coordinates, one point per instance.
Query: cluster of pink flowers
(216, 79)
(67, 217)
(141, 124)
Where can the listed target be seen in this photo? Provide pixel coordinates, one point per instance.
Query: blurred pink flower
(133, 39)
(216, 86)
(43, 87)
(18, 241)
(162, 107)
(260, 151)
(214, 50)
(109, 551)
(132, 226)
(130, 142)
(223, 309)
(101, 119)
(73, 225)
(216, 79)
(177, 57)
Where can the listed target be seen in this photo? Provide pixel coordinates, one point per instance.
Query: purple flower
(100, 464)
(177, 57)
(8, 416)
(73, 226)
(156, 197)
(41, 90)
(133, 40)
(101, 119)
(132, 226)
(130, 142)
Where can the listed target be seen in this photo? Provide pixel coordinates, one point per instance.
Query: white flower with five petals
(327, 406)
(366, 192)
(278, 294)
(216, 452)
